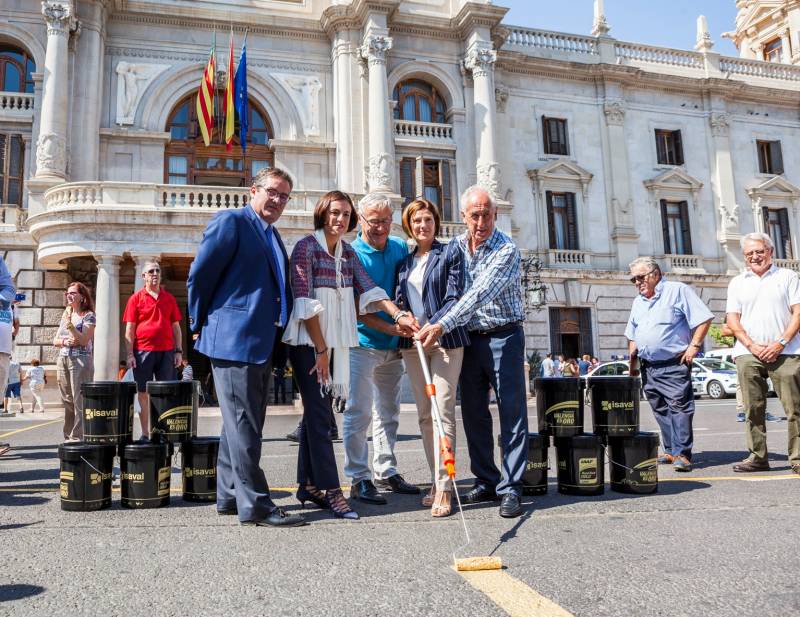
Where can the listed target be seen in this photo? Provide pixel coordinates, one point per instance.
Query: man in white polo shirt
(764, 313)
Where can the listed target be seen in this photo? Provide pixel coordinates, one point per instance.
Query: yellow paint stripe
(742, 478)
(29, 428)
(512, 595)
(47, 488)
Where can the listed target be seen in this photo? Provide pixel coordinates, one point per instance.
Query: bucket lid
(170, 387)
(644, 437)
(558, 383)
(101, 388)
(619, 381)
(587, 440)
(74, 450)
(144, 450)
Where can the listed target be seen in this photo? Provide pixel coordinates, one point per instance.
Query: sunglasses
(153, 271)
(639, 278)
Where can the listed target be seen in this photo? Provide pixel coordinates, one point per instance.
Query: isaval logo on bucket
(190, 472)
(612, 405)
(97, 478)
(90, 413)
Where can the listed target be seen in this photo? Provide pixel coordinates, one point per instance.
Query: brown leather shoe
(748, 466)
(665, 459)
(796, 469)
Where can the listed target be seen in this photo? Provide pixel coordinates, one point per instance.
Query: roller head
(470, 564)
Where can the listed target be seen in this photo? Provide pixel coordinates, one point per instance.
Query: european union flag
(240, 96)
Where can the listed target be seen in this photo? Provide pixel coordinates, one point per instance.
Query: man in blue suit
(239, 302)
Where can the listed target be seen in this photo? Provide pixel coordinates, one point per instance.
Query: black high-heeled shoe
(338, 504)
(313, 495)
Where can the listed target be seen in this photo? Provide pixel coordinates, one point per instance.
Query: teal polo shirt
(382, 267)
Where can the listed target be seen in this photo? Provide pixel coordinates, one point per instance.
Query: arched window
(189, 161)
(16, 67)
(417, 100)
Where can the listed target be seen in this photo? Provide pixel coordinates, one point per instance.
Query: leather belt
(660, 363)
(498, 330)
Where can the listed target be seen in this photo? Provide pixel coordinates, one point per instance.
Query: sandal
(442, 505)
(429, 498)
(4, 447)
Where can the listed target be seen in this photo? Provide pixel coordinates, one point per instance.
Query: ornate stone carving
(305, 91)
(51, 154)
(501, 98)
(489, 177)
(730, 216)
(480, 60)
(59, 18)
(380, 172)
(720, 123)
(614, 111)
(132, 81)
(375, 48)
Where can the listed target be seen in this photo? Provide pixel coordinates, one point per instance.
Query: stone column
(344, 54)
(140, 261)
(51, 146)
(723, 186)
(615, 152)
(480, 60)
(381, 150)
(106, 334)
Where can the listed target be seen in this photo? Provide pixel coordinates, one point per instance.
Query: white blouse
(415, 286)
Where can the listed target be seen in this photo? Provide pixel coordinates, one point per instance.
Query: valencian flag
(227, 104)
(205, 97)
(240, 95)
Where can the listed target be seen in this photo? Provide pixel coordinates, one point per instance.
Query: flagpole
(215, 84)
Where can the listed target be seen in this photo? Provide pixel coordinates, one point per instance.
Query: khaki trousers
(72, 372)
(785, 375)
(445, 367)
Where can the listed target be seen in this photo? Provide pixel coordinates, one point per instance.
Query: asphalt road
(709, 543)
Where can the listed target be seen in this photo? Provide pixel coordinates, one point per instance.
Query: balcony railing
(560, 258)
(11, 217)
(791, 264)
(633, 53)
(758, 68)
(451, 230)
(687, 264)
(16, 106)
(430, 132)
(162, 196)
(557, 41)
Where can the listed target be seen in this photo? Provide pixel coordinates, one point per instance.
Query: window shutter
(661, 147)
(551, 223)
(585, 317)
(2, 159)
(16, 152)
(665, 226)
(765, 220)
(546, 134)
(564, 138)
(687, 236)
(678, 147)
(447, 201)
(776, 156)
(555, 331)
(786, 239)
(407, 173)
(572, 222)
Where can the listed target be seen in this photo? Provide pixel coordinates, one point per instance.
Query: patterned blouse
(80, 322)
(313, 267)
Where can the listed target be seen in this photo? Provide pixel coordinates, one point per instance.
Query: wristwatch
(783, 342)
(178, 350)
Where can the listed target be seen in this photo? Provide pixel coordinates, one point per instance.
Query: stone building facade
(598, 150)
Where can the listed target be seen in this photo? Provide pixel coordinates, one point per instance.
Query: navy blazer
(442, 286)
(234, 293)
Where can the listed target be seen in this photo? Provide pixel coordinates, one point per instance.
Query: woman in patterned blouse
(326, 273)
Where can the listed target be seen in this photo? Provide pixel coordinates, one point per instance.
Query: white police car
(713, 377)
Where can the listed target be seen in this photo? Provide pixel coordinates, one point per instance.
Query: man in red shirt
(152, 337)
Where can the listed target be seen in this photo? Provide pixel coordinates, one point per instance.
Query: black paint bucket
(559, 405)
(145, 478)
(108, 411)
(173, 410)
(615, 405)
(534, 480)
(85, 478)
(199, 468)
(633, 464)
(581, 465)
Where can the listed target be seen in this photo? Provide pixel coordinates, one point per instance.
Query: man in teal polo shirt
(376, 366)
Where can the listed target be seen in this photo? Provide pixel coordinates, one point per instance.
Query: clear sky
(667, 23)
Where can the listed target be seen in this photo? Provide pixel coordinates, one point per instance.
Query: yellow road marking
(29, 428)
(512, 595)
(742, 478)
(47, 488)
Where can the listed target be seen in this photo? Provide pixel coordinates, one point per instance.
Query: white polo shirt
(765, 304)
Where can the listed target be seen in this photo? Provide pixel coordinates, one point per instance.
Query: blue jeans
(496, 361)
(669, 391)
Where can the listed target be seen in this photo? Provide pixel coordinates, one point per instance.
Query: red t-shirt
(153, 319)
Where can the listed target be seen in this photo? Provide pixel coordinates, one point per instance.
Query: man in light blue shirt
(376, 366)
(666, 328)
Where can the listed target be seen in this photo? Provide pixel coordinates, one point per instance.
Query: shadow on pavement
(26, 475)
(11, 526)
(712, 458)
(19, 591)
(22, 495)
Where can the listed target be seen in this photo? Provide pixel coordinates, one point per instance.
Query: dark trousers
(669, 391)
(316, 463)
(242, 392)
(496, 361)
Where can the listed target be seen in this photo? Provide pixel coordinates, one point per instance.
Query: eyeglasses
(153, 271)
(276, 195)
(759, 252)
(377, 222)
(639, 278)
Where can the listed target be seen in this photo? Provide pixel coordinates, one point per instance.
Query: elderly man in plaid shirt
(491, 309)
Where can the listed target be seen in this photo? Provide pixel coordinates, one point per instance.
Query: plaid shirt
(493, 286)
